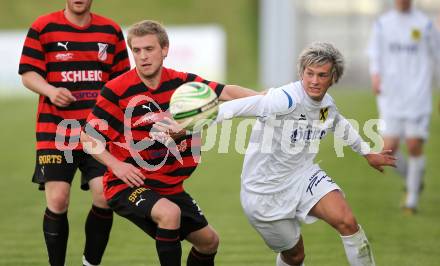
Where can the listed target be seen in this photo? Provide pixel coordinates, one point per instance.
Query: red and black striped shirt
(125, 112)
(81, 59)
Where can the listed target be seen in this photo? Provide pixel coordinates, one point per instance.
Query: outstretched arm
(378, 160)
(344, 130)
(231, 92)
(247, 106)
(169, 128)
(274, 101)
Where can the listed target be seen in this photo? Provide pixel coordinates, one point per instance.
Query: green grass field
(395, 238)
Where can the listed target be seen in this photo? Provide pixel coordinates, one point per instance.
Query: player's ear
(165, 51)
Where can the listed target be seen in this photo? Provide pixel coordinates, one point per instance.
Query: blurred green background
(238, 19)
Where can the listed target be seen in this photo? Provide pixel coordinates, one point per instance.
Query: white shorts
(404, 127)
(277, 217)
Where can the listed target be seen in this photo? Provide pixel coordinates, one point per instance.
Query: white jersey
(401, 50)
(285, 138)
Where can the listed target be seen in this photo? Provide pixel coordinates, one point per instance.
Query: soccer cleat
(85, 262)
(405, 196)
(408, 211)
(403, 200)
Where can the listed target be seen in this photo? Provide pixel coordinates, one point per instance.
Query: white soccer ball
(194, 105)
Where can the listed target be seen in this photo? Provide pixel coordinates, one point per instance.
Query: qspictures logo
(142, 113)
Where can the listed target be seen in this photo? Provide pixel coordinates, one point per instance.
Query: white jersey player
(281, 185)
(402, 46)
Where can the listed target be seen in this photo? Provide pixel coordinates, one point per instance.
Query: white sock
(358, 249)
(86, 263)
(416, 168)
(401, 164)
(280, 262)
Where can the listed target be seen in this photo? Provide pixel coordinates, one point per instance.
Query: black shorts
(51, 165)
(135, 204)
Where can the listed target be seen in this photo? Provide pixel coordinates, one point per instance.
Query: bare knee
(210, 243)
(57, 196)
(415, 147)
(295, 255)
(57, 201)
(166, 214)
(205, 240)
(347, 224)
(99, 199)
(98, 193)
(333, 209)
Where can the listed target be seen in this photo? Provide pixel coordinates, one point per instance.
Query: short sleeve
(33, 56)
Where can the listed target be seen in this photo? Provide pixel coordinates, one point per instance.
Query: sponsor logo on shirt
(85, 95)
(81, 75)
(306, 134)
(64, 56)
(161, 153)
(150, 116)
(402, 48)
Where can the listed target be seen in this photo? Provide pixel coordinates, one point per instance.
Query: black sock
(98, 225)
(168, 247)
(196, 258)
(56, 232)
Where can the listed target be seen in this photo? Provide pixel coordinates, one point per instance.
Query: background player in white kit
(401, 49)
(281, 186)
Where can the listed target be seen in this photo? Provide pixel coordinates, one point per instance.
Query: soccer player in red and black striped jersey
(144, 181)
(67, 57)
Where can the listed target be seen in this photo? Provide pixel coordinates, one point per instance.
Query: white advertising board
(196, 49)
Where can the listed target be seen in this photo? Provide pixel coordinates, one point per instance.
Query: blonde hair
(319, 53)
(147, 27)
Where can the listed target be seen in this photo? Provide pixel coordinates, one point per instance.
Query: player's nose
(144, 54)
